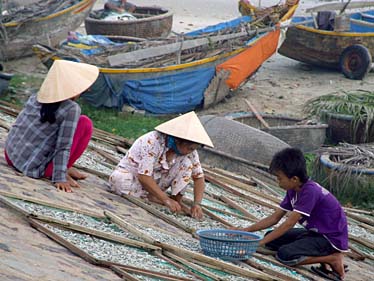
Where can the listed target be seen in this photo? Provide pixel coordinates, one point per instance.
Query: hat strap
(170, 143)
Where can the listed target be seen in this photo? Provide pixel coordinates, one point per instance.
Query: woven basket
(157, 25)
(305, 137)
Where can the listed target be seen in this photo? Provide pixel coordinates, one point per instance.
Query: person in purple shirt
(323, 237)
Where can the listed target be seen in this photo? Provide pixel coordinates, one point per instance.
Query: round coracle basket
(351, 184)
(307, 136)
(342, 129)
(228, 244)
(151, 22)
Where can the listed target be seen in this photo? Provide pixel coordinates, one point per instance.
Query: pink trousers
(81, 138)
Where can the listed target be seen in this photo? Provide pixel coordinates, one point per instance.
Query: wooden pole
(255, 112)
(128, 227)
(159, 214)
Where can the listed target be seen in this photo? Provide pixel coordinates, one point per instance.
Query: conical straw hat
(66, 79)
(188, 127)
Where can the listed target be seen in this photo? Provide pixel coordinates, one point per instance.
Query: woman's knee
(85, 123)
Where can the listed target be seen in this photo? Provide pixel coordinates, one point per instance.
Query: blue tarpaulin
(173, 93)
(223, 25)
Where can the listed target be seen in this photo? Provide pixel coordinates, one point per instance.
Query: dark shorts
(297, 244)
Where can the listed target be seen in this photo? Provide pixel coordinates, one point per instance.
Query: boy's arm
(266, 222)
(292, 219)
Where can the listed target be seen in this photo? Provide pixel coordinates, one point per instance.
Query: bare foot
(72, 182)
(75, 174)
(337, 264)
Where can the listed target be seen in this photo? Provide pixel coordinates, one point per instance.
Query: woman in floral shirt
(165, 158)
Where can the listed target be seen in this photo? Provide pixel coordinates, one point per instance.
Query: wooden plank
(150, 52)
(340, 6)
(232, 204)
(360, 218)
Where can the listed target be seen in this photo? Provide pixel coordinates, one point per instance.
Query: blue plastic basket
(228, 244)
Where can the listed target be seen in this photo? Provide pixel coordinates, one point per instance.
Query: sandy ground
(281, 86)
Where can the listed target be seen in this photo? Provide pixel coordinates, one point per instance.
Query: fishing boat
(145, 22)
(334, 40)
(184, 72)
(45, 22)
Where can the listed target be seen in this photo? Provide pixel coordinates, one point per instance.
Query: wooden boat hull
(320, 47)
(50, 30)
(180, 87)
(157, 25)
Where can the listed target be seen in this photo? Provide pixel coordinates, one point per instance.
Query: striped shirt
(32, 145)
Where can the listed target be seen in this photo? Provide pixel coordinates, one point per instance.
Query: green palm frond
(359, 104)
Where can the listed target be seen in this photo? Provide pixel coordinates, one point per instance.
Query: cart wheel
(355, 62)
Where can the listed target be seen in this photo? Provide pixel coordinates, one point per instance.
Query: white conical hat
(188, 127)
(66, 79)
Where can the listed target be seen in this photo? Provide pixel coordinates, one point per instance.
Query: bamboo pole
(128, 227)
(92, 171)
(51, 204)
(360, 218)
(87, 257)
(122, 273)
(159, 214)
(271, 272)
(122, 150)
(232, 204)
(268, 188)
(97, 233)
(246, 187)
(299, 269)
(217, 218)
(359, 211)
(228, 174)
(235, 192)
(153, 274)
(210, 208)
(192, 265)
(189, 255)
(104, 154)
(361, 254)
(178, 265)
(362, 241)
(255, 112)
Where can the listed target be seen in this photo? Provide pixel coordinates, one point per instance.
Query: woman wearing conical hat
(49, 134)
(162, 159)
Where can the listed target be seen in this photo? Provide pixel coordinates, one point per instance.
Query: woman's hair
(48, 112)
(291, 162)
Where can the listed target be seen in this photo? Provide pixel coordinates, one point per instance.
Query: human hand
(197, 212)
(64, 186)
(173, 205)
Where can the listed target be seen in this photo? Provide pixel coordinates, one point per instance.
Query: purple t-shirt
(321, 212)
